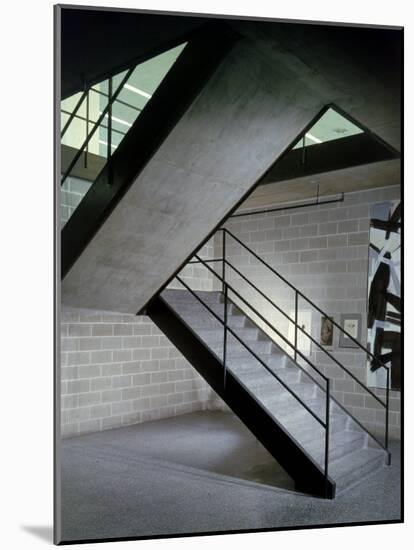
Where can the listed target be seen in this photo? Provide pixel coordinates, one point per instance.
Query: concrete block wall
(197, 276)
(72, 192)
(323, 251)
(118, 370)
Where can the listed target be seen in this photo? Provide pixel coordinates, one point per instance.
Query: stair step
(354, 467)
(341, 443)
(276, 393)
(318, 406)
(184, 295)
(350, 457)
(290, 409)
(194, 308)
(210, 296)
(274, 360)
(277, 359)
(197, 322)
(187, 302)
(216, 335)
(249, 374)
(199, 319)
(307, 430)
(238, 350)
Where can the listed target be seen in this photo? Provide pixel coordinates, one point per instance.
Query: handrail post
(297, 352)
(240, 340)
(96, 125)
(109, 139)
(225, 336)
(327, 413)
(387, 411)
(85, 164)
(223, 270)
(296, 323)
(335, 324)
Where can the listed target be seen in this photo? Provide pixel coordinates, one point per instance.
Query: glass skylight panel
(329, 127)
(131, 100)
(136, 92)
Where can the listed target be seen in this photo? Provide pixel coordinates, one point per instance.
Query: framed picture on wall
(351, 323)
(326, 336)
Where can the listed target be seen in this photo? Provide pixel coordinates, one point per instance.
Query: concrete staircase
(353, 454)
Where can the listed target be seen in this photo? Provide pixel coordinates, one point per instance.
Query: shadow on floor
(198, 473)
(43, 532)
(212, 442)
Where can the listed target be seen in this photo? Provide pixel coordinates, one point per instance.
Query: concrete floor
(197, 473)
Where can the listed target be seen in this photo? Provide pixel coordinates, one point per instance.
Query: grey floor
(200, 472)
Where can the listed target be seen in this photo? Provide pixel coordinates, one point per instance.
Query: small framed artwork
(352, 324)
(326, 337)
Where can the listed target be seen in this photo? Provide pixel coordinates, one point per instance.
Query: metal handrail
(297, 326)
(97, 124)
(306, 333)
(73, 113)
(203, 261)
(271, 326)
(299, 293)
(251, 351)
(120, 101)
(327, 380)
(304, 297)
(286, 340)
(326, 424)
(84, 119)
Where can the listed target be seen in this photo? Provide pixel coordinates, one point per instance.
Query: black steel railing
(228, 330)
(226, 286)
(105, 113)
(226, 265)
(74, 113)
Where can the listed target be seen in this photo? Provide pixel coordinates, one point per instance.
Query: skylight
(131, 100)
(93, 127)
(330, 126)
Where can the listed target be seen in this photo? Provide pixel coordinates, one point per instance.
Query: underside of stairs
(269, 400)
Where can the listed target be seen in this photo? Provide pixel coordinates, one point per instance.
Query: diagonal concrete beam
(247, 115)
(359, 69)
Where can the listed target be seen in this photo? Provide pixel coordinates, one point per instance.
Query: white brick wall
(197, 276)
(119, 370)
(72, 192)
(323, 251)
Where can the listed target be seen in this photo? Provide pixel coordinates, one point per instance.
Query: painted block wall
(72, 192)
(119, 369)
(323, 251)
(196, 275)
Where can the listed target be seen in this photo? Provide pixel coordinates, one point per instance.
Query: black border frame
(57, 263)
